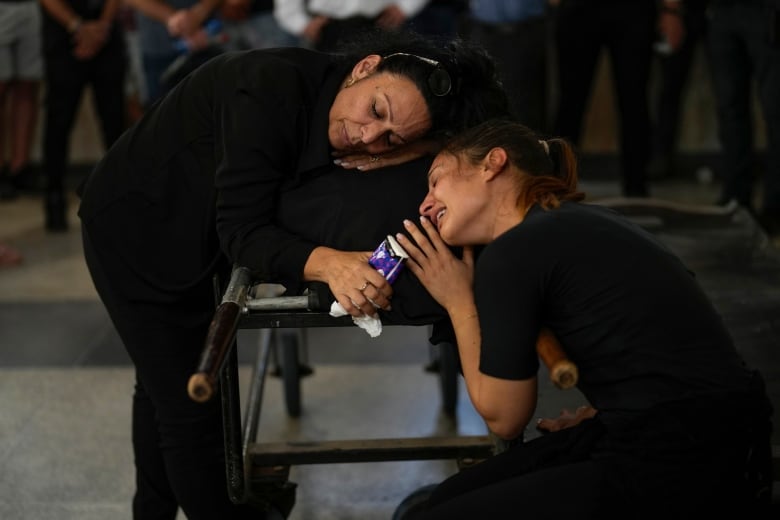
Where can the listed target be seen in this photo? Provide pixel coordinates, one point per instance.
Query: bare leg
(4, 87)
(24, 116)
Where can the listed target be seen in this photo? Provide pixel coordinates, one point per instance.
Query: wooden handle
(563, 372)
(222, 331)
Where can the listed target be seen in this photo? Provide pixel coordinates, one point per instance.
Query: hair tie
(545, 146)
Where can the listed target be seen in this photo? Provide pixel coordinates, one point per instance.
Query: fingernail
(407, 222)
(337, 162)
(423, 218)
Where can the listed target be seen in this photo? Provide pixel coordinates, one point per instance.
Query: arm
(340, 270)
(181, 22)
(395, 15)
(670, 23)
(89, 35)
(449, 280)
(258, 222)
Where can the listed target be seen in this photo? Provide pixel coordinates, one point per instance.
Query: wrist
(74, 25)
(462, 314)
(671, 7)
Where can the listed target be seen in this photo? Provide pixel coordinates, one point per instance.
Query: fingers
(363, 162)
(366, 300)
(366, 297)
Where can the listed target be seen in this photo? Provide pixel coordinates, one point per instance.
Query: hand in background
(566, 419)
(89, 39)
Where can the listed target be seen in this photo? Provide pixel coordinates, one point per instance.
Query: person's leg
(7, 190)
(24, 94)
(178, 443)
(520, 49)
(630, 40)
(765, 54)
(107, 74)
(573, 490)
(24, 116)
(674, 72)
(154, 66)
(65, 79)
(731, 81)
(578, 45)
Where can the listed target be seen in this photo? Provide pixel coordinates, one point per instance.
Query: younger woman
(677, 425)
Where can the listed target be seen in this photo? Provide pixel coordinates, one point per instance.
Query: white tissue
(371, 325)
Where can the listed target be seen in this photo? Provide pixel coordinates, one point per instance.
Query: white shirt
(294, 17)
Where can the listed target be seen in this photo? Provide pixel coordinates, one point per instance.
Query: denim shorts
(21, 54)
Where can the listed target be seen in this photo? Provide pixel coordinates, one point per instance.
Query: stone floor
(65, 386)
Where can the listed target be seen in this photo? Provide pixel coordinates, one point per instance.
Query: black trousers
(689, 459)
(627, 31)
(520, 49)
(177, 443)
(66, 80)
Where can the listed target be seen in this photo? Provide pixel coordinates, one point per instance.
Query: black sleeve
(508, 300)
(260, 134)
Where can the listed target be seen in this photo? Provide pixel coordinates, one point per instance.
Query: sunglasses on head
(439, 81)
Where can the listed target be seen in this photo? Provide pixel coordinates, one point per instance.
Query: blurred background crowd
(558, 59)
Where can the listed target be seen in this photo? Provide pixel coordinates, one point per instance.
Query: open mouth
(439, 216)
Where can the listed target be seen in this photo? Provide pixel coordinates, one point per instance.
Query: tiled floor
(65, 385)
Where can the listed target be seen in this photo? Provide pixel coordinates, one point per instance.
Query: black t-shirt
(625, 308)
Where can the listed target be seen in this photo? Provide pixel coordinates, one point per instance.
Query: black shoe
(54, 209)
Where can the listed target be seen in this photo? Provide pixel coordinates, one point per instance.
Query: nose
(426, 208)
(371, 132)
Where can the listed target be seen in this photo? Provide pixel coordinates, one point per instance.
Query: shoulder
(287, 72)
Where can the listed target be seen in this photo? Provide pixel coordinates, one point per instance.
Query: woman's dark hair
(550, 165)
(458, 79)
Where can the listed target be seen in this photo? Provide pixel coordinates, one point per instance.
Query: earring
(350, 82)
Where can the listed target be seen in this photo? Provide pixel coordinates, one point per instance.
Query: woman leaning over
(193, 187)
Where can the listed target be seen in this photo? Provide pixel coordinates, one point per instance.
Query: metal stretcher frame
(258, 472)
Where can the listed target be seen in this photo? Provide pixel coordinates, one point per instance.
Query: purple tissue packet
(389, 258)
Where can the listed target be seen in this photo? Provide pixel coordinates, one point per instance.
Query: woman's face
(457, 200)
(377, 112)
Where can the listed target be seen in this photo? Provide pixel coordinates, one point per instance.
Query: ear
(494, 163)
(366, 66)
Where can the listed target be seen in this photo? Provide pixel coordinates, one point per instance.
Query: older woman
(676, 425)
(194, 187)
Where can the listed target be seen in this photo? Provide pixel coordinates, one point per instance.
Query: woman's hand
(357, 286)
(447, 278)
(566, 419)
(89, 39)
(366, 162)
